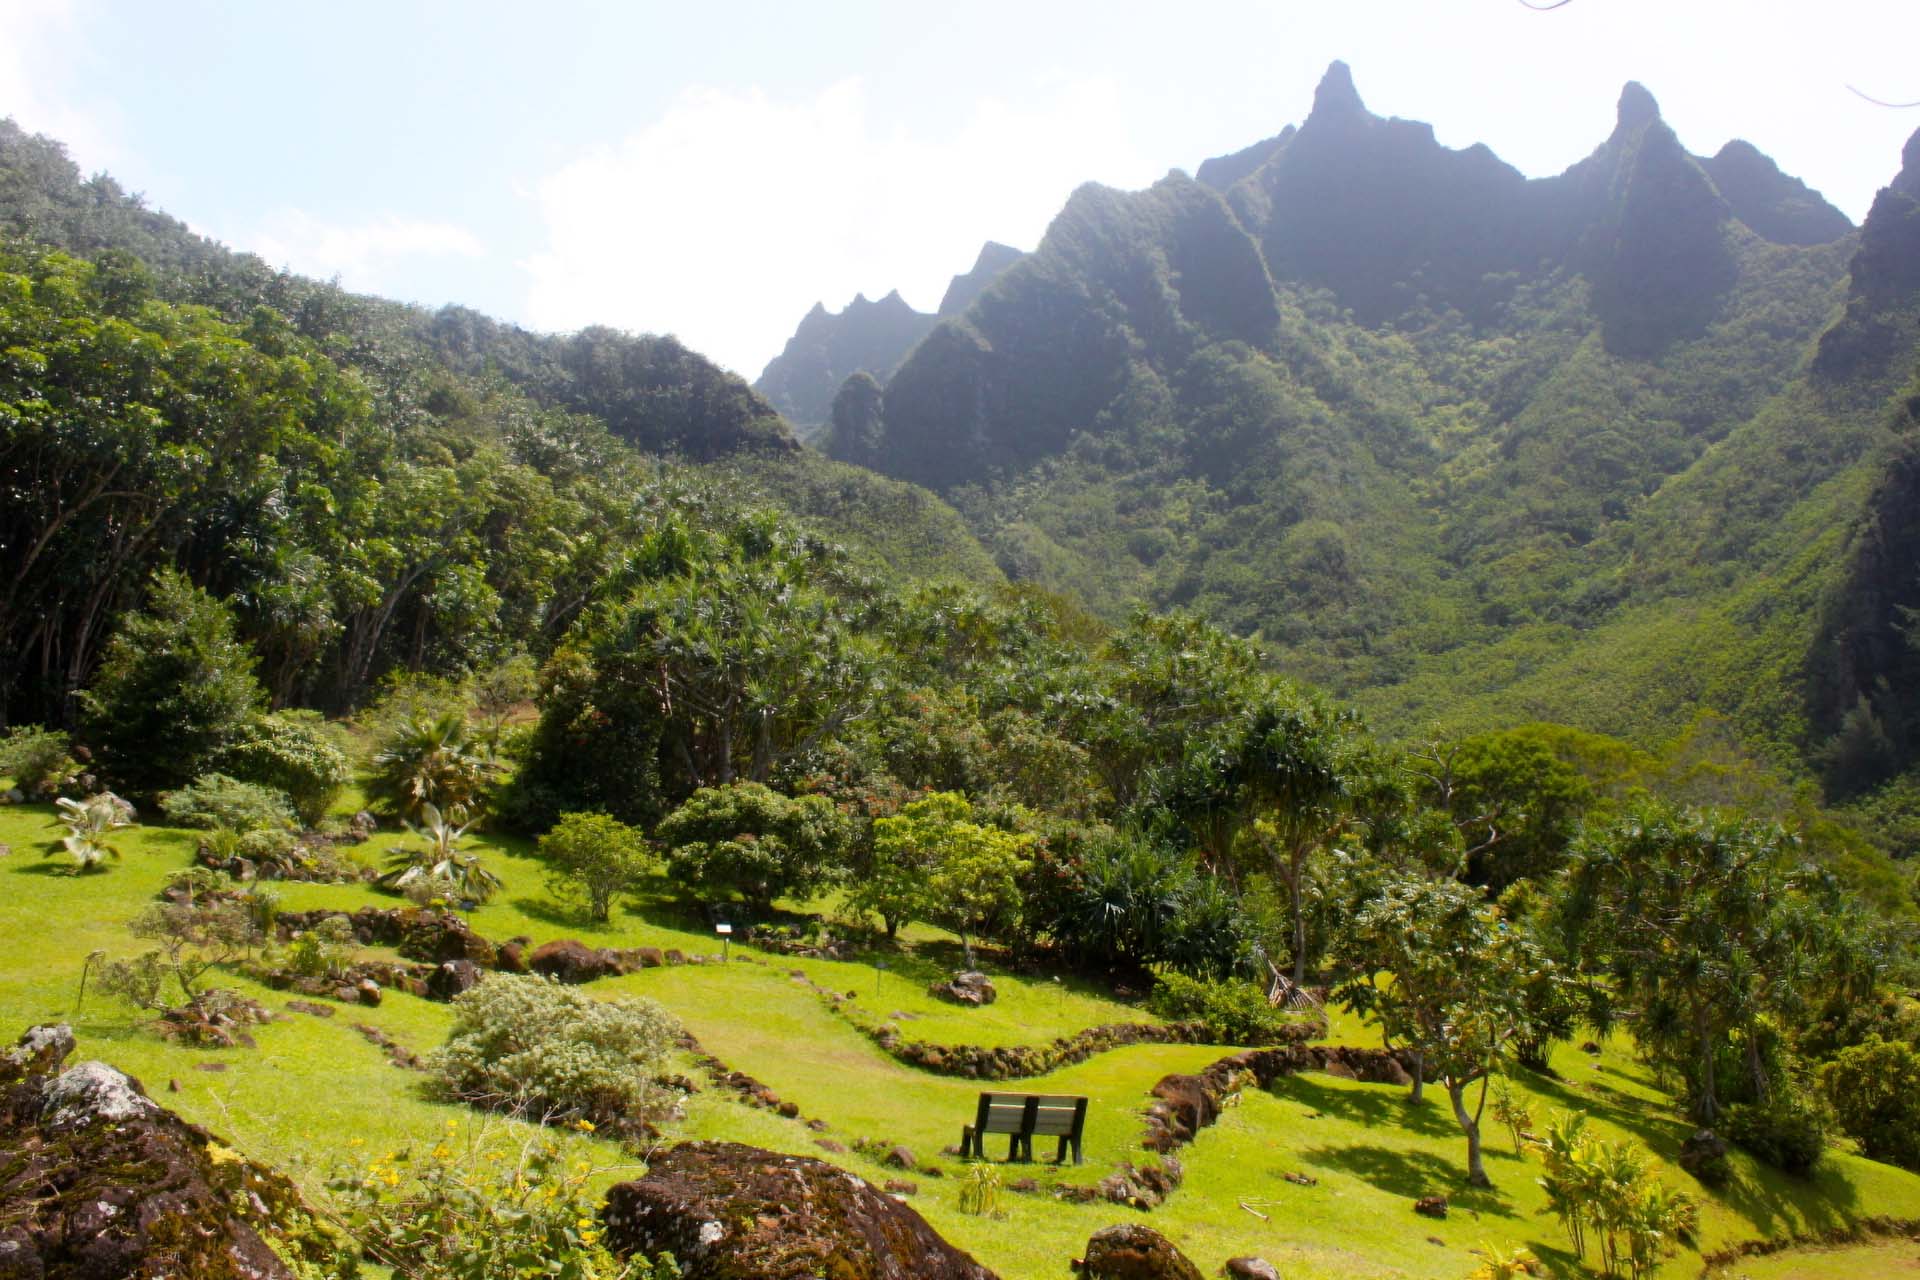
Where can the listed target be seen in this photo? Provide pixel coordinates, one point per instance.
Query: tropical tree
(956, 873)
(1703, 924)
(749, 839)
(90, 825)
(593, 858)
(433, 761)
(1444, 974)
(174, 689)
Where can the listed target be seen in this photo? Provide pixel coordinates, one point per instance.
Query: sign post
(726, 936)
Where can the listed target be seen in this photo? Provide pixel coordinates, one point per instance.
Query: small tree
(592, 858)
(969, 873)
(174, 689)
(749, 839)
(1448, 977)
(190, 939)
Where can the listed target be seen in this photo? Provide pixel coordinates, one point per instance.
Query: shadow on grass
(1375, 1106)
(1413, 1174)
(51, 866)
(547, 911)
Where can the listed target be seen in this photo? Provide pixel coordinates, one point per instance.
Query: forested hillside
(1466, 447)
(374, 486)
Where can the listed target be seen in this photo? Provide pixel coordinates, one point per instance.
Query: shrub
(37, 760)
(1234, 1011)
(175, 688)
(216, 800)
(484, 1208)
(591, 858)
(323, 951)
(554, 1053)
(1787, 1131)
(293, 752)
(1874, 1089)
(749, 839)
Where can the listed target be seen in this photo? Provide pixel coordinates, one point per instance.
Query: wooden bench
(1022, 1116)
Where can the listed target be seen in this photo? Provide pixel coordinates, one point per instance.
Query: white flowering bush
(556, 1054)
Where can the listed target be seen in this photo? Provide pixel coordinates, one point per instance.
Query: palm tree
(433, 762)
(89, 824)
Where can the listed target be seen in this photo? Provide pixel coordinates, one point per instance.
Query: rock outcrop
(99, 1182)
(1134, 1252)
(733, 1212)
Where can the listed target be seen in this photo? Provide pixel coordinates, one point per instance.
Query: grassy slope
(313, 1084)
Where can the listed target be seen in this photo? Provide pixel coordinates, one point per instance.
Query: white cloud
(724, 219)
(362, 254)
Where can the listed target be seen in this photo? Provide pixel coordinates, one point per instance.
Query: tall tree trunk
(1469, 1125)
(1419, 1094)
(1296, 877)
(1706, 1107)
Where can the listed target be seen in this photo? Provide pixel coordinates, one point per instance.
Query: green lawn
(1881, 1260)
(314, 1085)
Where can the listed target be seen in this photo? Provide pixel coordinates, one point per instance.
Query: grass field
(313, 1085)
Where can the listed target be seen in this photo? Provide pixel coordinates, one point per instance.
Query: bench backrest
(1048, 1115)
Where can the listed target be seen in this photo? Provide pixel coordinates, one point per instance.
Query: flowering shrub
(554, 1053)
(480, 1206)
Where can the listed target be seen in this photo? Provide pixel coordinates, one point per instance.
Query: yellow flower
(584, 1126)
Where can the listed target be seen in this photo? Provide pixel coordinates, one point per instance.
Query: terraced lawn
(314, 1085)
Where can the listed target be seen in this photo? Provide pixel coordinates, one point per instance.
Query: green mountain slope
(1464, 446)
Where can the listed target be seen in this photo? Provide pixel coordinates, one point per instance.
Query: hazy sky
(713, 170)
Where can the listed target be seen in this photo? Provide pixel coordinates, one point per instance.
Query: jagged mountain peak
(1336, 97)
(1908, 182)
(1638, 108)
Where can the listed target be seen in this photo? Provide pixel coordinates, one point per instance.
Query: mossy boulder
(1134, 1252)
(733, 1212)
(99, 1182)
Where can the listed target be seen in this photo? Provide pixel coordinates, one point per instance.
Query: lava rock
(733, 1212)
(1704, 1155)
(1134, 1252)
(1431, 1206)
(969, 987)
(571, 961)
(1250, 1269)
(451, 978)
(102, 1182)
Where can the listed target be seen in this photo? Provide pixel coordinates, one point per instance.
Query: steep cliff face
(1119, 279)
(964, 288)
(1772, 204)
(1379, 212)
(869, 337)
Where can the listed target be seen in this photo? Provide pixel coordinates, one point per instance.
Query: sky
(712, 171)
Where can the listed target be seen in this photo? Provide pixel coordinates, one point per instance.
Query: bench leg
(967, 1141)
(1060, 1155)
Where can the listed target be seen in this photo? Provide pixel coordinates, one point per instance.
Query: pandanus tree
(1703, 924)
